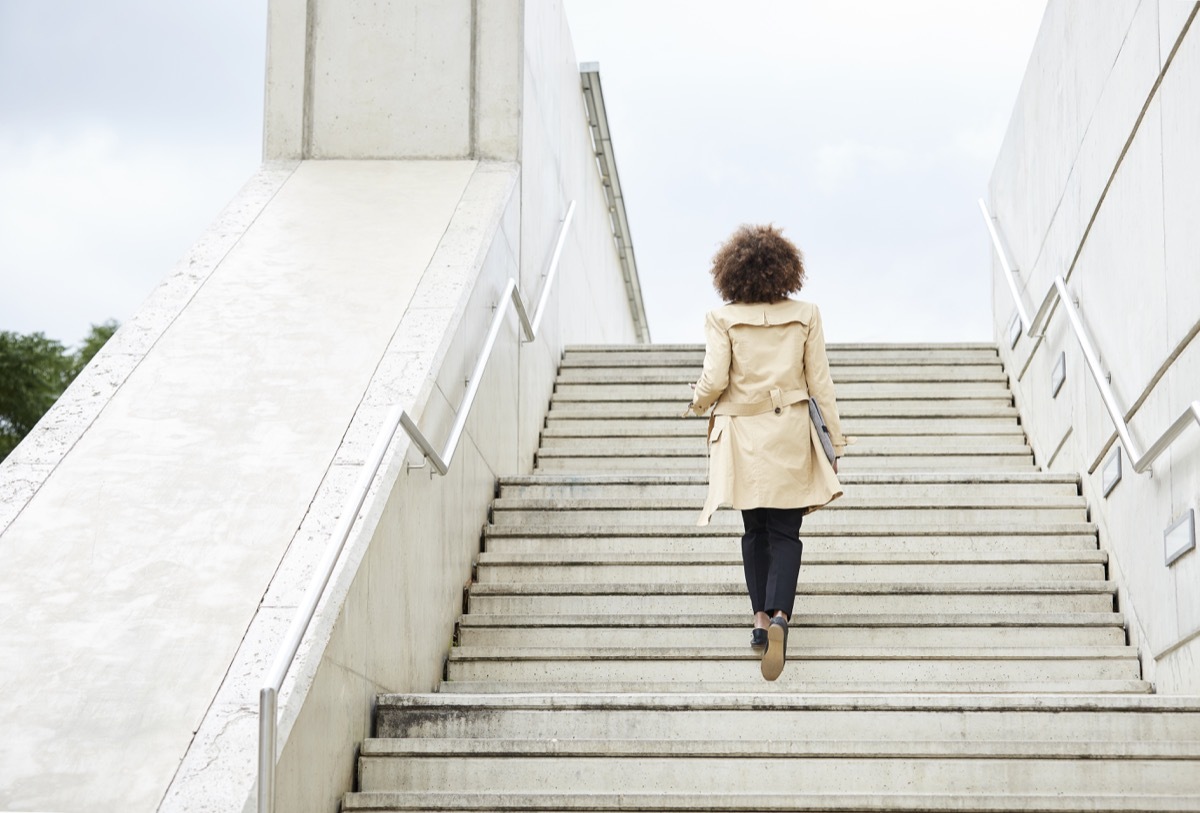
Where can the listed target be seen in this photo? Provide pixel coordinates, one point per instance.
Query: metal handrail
(1059, 293)
(512, 294)
(1010, 273)
(268, 696)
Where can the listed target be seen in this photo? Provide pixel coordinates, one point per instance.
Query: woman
(764, 359)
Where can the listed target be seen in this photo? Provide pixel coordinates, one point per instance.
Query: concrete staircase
(955, 645)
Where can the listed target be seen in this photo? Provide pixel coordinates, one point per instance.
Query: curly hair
(757, 264)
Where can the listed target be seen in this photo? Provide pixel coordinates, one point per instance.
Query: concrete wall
(402, 79)
(162, 523)
(1096, 181)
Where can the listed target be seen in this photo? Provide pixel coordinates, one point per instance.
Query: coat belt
(776, 402)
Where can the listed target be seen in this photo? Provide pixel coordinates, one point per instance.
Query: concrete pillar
(392, 79)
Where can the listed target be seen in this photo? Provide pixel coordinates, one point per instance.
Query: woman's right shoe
(773, 660)
(758, 640)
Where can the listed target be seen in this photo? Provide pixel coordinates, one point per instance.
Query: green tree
(34, 371)
(91, 345)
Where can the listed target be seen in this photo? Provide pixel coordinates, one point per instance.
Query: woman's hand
(835, 460)
(691, 408)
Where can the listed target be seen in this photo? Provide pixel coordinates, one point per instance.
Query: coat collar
(765, 313)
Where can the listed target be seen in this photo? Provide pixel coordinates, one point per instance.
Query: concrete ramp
(132, 575)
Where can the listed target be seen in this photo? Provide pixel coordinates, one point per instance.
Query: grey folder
(822, 430)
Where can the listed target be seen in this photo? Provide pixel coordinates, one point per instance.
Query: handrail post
(268, 700)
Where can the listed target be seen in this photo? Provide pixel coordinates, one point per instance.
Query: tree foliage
(34, 371)
(90, 346)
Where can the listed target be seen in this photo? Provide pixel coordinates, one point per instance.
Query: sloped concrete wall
(1097, 180)
(134, 569)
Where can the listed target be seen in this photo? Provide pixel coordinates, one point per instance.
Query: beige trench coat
(762, 362)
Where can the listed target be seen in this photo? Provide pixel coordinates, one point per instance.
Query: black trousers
(771, 550)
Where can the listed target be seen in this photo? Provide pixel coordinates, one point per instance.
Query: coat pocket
(717, 428)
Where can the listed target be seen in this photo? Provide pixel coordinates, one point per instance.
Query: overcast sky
(866, 129)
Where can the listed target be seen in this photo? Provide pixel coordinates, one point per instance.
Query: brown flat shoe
(776, 655)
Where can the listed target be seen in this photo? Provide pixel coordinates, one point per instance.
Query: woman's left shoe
(758, 640)
(772, 662)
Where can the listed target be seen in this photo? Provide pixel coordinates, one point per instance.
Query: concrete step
(577, 766)
(664, 662)
(901, 353)
(855, 391)
(812, 531)
(754, 684)
(814, 573)
(633, 633)
(848, 410)
(1000, 428)
(1014, 486)
(686, 487)
(674, 598)
(763, 715)
(725, 537)
(838, 358)
(819, 567)
(822, 557)
(1098, 628)
(519, 541)
(431, 801)
(865, 447)
(553, 462)
(878, 374)
(839, 362)
(856, 512)
(933, 411)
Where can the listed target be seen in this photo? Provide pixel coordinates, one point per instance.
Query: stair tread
(833, 347)
(810, 557)
(760, 699)
(801, 621)
(820, 748)
(844, 503)
(909, 529)
(1041, 688)
(417, 802)
(849, 479)
(796, 650)
(841, 588)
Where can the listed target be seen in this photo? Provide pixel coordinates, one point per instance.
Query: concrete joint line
(1183, 345)
(1113, 175)
(1182, 642)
